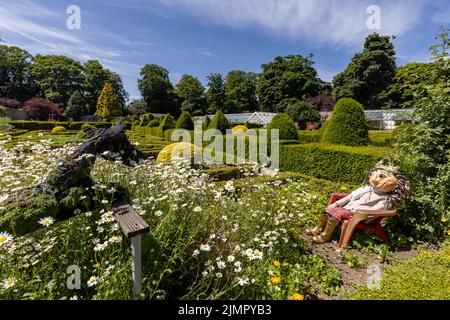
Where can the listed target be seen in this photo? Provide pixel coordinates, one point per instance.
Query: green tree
(215, 95)
(240, 91)
(57, 77)
(348, 124)
(190, 92)
(168, 122)
(369, 73)
(292, 76)
(96, 77)
(219, 122)
(157, 90)
(108, 104)
(76, 107)
(16, 80)
(303, 112)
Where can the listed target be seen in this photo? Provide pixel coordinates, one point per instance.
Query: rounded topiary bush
(185, 121)
(58, 129)
(153, 123)
(168, 122)
(240, 128)
(219, 122)
(285, 125)
(178, 150)
(347, 125)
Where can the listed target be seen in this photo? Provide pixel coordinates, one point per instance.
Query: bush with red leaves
(324, 101)
(40, 109)
(9, 103)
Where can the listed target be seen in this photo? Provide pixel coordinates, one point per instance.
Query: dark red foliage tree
(9, 103)
(40, 109)
(324, 101)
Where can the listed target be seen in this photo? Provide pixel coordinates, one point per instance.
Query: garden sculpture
(383, 190)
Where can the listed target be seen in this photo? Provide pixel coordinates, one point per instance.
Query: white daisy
(205, 247)
(221, 265)
(8, 283)
(46, 221)
(92, 281)
(231, 258)
(198, 209)
(5, 238)
(195, 253)
(243, 281)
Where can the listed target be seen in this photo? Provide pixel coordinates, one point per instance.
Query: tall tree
(76, 107)
(16, 81)
(190, 92)
(57, 77)
(157, 90)
(368, 74)
(292, 76)
(96, 77)
(215, 95)
(240, 91)
(108, 104)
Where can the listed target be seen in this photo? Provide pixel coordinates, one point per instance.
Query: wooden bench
(132, 226)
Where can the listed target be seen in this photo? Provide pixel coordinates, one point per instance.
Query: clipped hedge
(285, 125)
(49, 125)
(308, 136)
(337, 163)
(185, 121)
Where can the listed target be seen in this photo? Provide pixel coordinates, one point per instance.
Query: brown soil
(354, 276)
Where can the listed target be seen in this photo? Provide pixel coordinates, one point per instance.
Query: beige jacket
(364, 198)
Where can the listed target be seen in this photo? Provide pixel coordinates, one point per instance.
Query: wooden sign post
(132, 225)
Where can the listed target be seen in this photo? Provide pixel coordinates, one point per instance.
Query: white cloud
(336, 23)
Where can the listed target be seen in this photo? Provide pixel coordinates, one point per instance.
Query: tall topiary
(108, 105)
(206, 122)
(185, 121)
(219, 122)
(285, 125)
(145, 119)
(168, 122)
(348, 124)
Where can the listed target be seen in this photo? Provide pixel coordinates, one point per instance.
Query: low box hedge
(337, 163)
(308, 136)
(49, 125)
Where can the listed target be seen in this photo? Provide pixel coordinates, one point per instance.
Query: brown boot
(325, 236)
(319, 226)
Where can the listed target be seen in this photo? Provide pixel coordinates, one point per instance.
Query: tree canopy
(215, 95)
(240, 91)
(190, 92)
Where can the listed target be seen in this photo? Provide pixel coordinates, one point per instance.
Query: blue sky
(199, 37)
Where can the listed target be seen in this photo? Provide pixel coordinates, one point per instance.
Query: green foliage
(168, 122)
(58, 129)
(308, 136)
(348, 124)
(369, 73)
(332, 162)
(424, 277)
(21, 215)
(190, 92)
(285, 103)
(206, 122)
(57, 77)
(240, 91)
(137, 107)
(185, 121)
(145, 119)
(76, 199)
(285, 125)
(219, 122)
(76, 107)
(16, 80)
(303, 112)
(215, 95)
(157, 90)
(154, 123)
(96, 78)
(292, 76)
(108, 104)
(381, 138)
(49, 125)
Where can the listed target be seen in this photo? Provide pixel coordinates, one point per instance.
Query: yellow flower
(344, 188)
(275, 280)
(276, 263)
(297, 296)
(448, 232)
(444, 219)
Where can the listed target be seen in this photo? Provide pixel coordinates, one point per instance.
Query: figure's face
(383, 181)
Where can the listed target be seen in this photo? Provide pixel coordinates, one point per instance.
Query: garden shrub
(348, 124)
(87, 130)
(175, 150)
(381, 138)
(206, 122)
(219, 122)
(303, 112)
(238, 128)
(185, 121)
(153, 123)
(58, 129)
(145, 119)
(332, 162)
(21, 216)
(425, 277)
(167, 122)
(168, 134)
(285, 125)
(308, 136)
